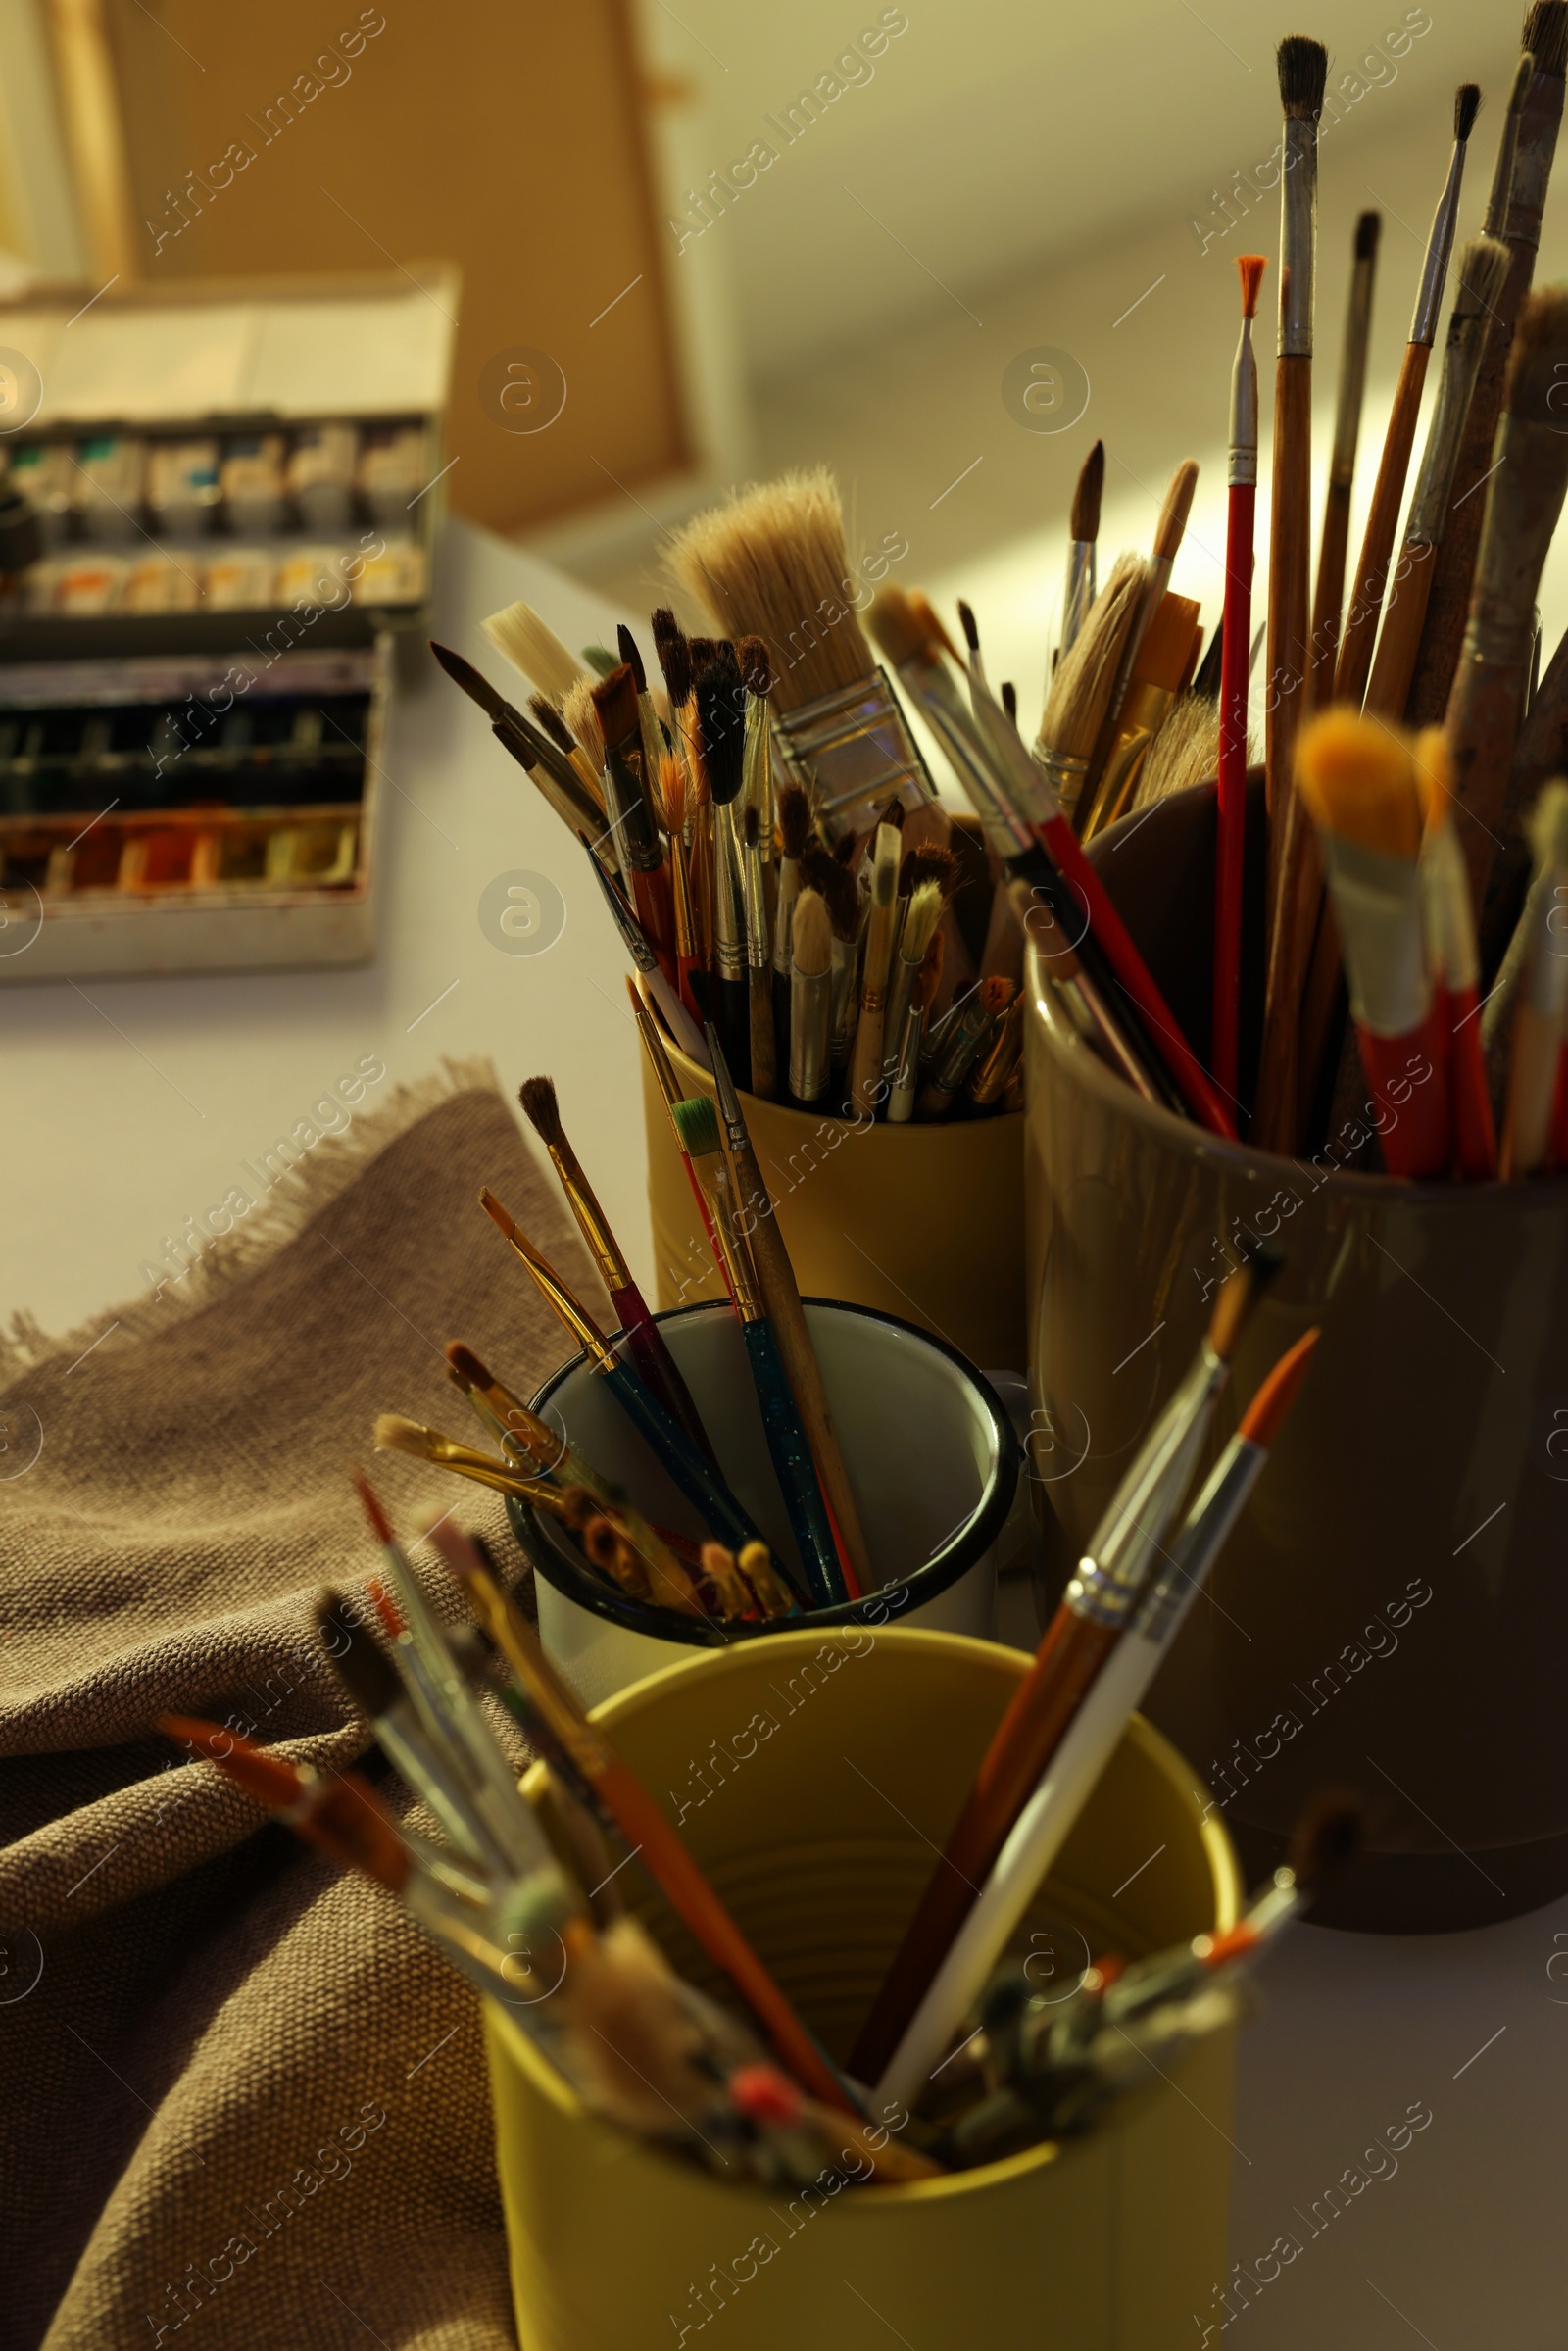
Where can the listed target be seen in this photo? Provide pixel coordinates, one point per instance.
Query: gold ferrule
(614, 1270)
(721, 1193)
(577, 1320)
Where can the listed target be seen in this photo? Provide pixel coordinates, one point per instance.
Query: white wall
(992, 136)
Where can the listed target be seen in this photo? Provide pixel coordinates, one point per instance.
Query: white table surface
(130, 1103)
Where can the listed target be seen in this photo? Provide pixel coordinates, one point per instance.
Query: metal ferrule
(1538, 140)
(952, 1065)
(1080, 593)
(1064, 772)
(631, 929)
(1199, 1545)
(729, 914)
(1242, 473)
(810, 1014)
(737, 1256)
(906, 1076)
(1297, 237)
(1126, 1542)
(988, 1080)
(1439, 246)
(844, 1000)
(1461, 364)
(848, 751)
(940, 1031)
(636, 830)
(789, 889)
(614, 1270)
(758, 787)
(754, 896)
(1353, 382)
(583, 1328)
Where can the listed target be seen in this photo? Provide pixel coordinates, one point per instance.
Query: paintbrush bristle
(899, 628)
(794, 818)
(1083, 523)
(1357, 780)
(835, 885)
(380, 1524)
(462, 1360)
(1081, 690)
(924, 613)
(1538, 357)
(531, 645)
(1304, 71)
(885, 865)
(473, 681)
(810, 934)
(772, 562)
(500, 1217)
(1326, 1837)
(542, 1109)
(923, 914)
(931, 864)
(583, 721)
(547, 718)
(674, 648)
(1230, 1312)
(1265, 1415)
(697, 1124)
(722, 723)
(672, 793)
(615, 697)
(1545, 36)
(1251, 267)
(1185, 749)
(756, 670)
(1483, 267)
(970, 625)
(370, 1677)
(1433, 777)
(626, 644)
(1466, 106)
(1369, 230)
(1172, 523)
(996, 995)
(395, 1435)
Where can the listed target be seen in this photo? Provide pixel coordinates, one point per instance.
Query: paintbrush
(1168, 535)
(630, 802)
(658, 1366)
(653, 734)
(1366, 603)
(684, 1463)
(1230, 838)
(759, 959)
(772, 563)
(394, 1434)
(1083, 534)
(922, 913)
(757, 676)
(1165, 660)
(550, 721)
(1093, 1616)
(867, 1088)
(680, 1022)
(1448, 921)
(1047, 1818)
(795, 827)
(1334, 543)
(1483, 267)
(696, 1123)
(1081, 691)
(721, 733)
(640, 1822)
(810, 998)
(907, 1070)
(533, 750)
(688, 954)
(781, 1299)
(1524, 499)
(1295, 887)
(960, 1049)
(1525, 154)
(1541, 1000)
(1357, 781)
(673, 1092)
(531, 645)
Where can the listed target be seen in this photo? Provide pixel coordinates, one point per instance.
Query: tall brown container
(1392, 1610)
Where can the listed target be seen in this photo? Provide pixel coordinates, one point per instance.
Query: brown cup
(1391, 1611)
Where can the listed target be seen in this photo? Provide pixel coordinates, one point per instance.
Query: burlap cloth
(243, 2104)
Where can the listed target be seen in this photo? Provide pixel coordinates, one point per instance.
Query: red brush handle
(1475, 1133)
(1116, 945)
(658, 1366)
(1418, 1139)
(656, 911)
(1230, 835)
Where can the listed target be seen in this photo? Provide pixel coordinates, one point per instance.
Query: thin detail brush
(1333, 546)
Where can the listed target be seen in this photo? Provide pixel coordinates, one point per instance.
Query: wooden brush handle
(1392, 671)
(1329, 597)
(1321, 998)
(1296, 906)
(1028, 1735)
(765, 1050)
(1371, 572)
(1288, 580)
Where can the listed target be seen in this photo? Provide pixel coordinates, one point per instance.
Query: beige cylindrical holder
(811, 1778)
(1390, 1612)
(925, 1222)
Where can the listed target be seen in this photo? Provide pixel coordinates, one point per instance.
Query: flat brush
(687, 1467)
(550, 721)
(1483, 267)
(1054, 1804)
(1093, 1614)
(1169, 532)
(1525, 154)
(640, 1822)
(1081, 692)
(781, 1298)
(1230, 838)
(1366, 603)
(1357, 782)
(1333, 546)
(1524, 499)
(789, 1449)
(394, 1434)
(658, 1366)
(1083, 534)
(531, 645)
